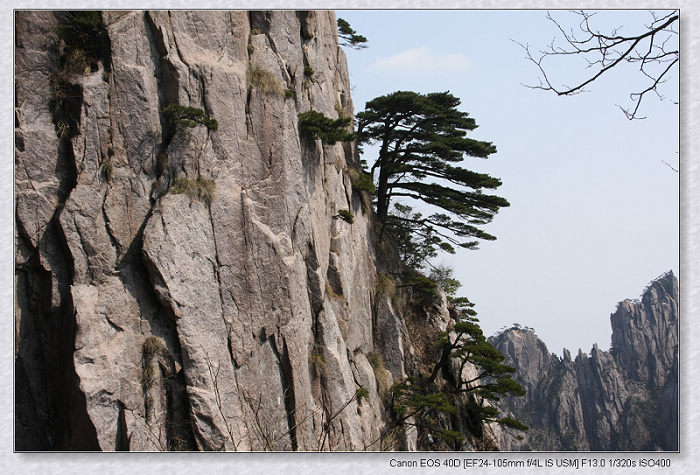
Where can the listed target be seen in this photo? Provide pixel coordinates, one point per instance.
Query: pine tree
(422, 139)
(349, 37)
(461, 394)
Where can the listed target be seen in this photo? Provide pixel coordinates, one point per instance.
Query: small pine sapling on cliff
(317, 126)
(345, 215)
(189, 116)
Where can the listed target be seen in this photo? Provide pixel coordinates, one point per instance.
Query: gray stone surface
(261, 296)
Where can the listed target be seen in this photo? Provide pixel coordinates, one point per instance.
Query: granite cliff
(191, 271)
(623, 399)
(194, 272)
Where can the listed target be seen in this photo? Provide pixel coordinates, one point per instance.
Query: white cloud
(421, 59)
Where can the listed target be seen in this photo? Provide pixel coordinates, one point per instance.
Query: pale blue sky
(594, 212)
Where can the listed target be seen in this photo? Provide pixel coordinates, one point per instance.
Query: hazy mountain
(622, 399)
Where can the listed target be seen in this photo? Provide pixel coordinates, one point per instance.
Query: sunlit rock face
(150, 316)
(622, 399)
(185, 284)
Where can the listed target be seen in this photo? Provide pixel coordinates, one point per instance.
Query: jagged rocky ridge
(196, 287)
(624, 399)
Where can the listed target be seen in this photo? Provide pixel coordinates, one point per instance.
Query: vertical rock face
(164, 316)
(622, 399)
(185, 278)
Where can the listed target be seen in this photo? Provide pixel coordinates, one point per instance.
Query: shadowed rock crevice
(30, 427)
(121, 443)
(287, 381)
(179, 430)
(333, 276)
(167, 93)
(47, 115)
(313, 280)
(260, 21)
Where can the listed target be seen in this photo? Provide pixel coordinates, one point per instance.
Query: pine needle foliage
(362, 181)
(349, 36)
(428, 402)
(422, 140)
(346, 216)
(315, 125)
(189, 116)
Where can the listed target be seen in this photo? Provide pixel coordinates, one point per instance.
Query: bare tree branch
(654, 48)
(669, 166)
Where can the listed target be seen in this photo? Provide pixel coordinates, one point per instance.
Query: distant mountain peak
(607, 400)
